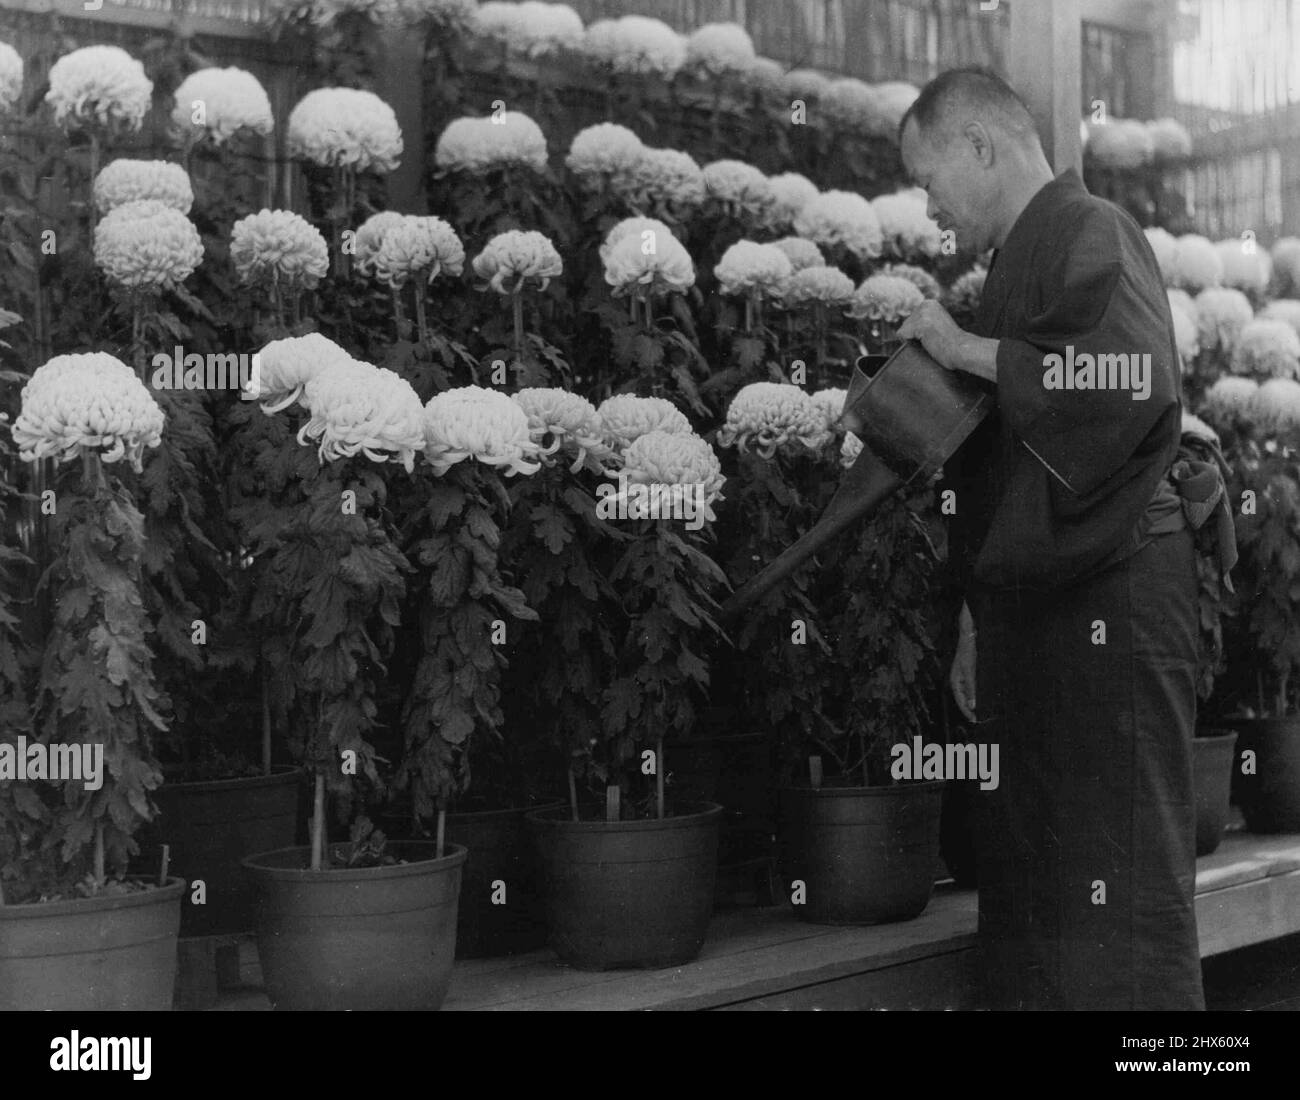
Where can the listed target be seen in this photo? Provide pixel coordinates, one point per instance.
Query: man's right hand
(962, 676)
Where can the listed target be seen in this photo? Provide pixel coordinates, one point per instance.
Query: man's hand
(962, 676)
(951, 346)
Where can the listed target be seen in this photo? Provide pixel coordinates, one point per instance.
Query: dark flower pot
(628, 893)
(1212, 759)
(91, 954)
(363, 938)
(210, 828)
(866, 855)
(1270, 798)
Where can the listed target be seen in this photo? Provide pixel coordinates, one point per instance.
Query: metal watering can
(911, 415)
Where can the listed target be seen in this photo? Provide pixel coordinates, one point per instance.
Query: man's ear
(980, 142)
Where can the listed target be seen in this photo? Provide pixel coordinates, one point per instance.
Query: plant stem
(137, 337)
(266, 723)
(517, 308)
(2, 895)
(573, 794)
(1281, 695)
(442, 830)
(612, 812)
(166, 858)
(318, 824)
(399, 317)
(421, 319)
(659, 777)
(99, 855)
(1259, 690)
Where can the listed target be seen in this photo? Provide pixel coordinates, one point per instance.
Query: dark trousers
(1086, 851)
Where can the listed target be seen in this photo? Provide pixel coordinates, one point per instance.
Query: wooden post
(1045, 66)
(401, 86)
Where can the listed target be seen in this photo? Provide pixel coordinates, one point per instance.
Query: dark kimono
(1086, 624)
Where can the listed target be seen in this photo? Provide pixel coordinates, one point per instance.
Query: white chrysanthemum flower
(850, 449)
(748, 267)
(345, 126)
(568, 421)
(1187, 336)
(828, 285)
(90, 400)
(278, 247)
(124, 180)
(791, 192)
(740, 185)
(479, 144)
(926, 283)
(637, 45)
(370, 235)
(532, 27)
(1169, 139)
(800, 252)
(967, 291)
(649, 231)
(285, 367)
(478, 423)
(624, 418)
(885, 298)
(1194, 425)
(1165, 246)
(658, 266)
(908, 230)
(1275, 407)
(510, 259)
(1120, 143)
(720, 48)
(842, 219)
(220, 102)
(1266, 347)
(101, 82)
(766, 74)
(831, 404)
(1221, 314)
(146, 244)
(11, 76)
(1283, 309)
(1197, 264)
(1181, 301)
(673, 458)
(418, 247)
(1286, 267)
(1229, 398)
(357, 408)
(773, 414)
(892, 101)
(806, 83)
(1246, 266)
(662, 175)
(851, 102)
(603, 151)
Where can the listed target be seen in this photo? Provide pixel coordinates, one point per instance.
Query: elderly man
(1078, 632)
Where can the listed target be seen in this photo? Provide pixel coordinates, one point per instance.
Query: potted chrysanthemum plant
(756, 274)
(631, 882)
(845, 227)
(279, 256)
(738, 203)
(814, 296)
(882, 303)
(82, 786)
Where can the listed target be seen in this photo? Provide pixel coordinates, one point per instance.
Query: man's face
(951, 174)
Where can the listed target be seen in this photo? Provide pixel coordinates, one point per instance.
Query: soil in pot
(110, 953)
(628, 893)
(1212, 762)
(865, 855)
(1269, 798)
(360, 938)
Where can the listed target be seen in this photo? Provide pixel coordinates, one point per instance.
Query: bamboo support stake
(266, 723)
(573, 795)
(659, 777)
(611, 804)
(166, 859)
(318, 824)
(99, 855)
(442, 830)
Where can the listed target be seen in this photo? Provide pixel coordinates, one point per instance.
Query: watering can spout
(911, 414)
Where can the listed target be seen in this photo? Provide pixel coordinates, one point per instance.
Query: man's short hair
(954, 97)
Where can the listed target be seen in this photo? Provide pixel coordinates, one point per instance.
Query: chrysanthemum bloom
(532, 28)
(831, 403)
(1197, 264)
(926, 283)
(1286, 267)
(1169, 139)
(1246, 266)
(104, 83)
(1274, 408)
(720, 48)
(1229, 398)
(800, 252)
(357, 408)
(673, 458)
(1120, 143)
(850, 102)
(125, 180)
(1283, 309)
(660, 266)
(560, 420)
(510, 259)
(624, 418)
(828, 285)
(791, 192)
(740, 185)
(885, 298)
(842, 219)
(419, 246)
(278, 247)
(907, 229)
(1267, 348)
(636, 45)
(662, 175)
(967, 291)
(147, 245)
(11, 76)
(765, 74)
(345, 126)
(1186, 336)
(1194, 425)
(478, 423)
(87, 400)
(1221, 314)
(748, 267)
(480, 144)
(772, 414)
(220, 102)
(1165, 246)
(649, 231)
(603, 151)
(370, 235)
(286, 366)
(1181, 301)
(806, 83)
(892, 100)
(850, 449)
